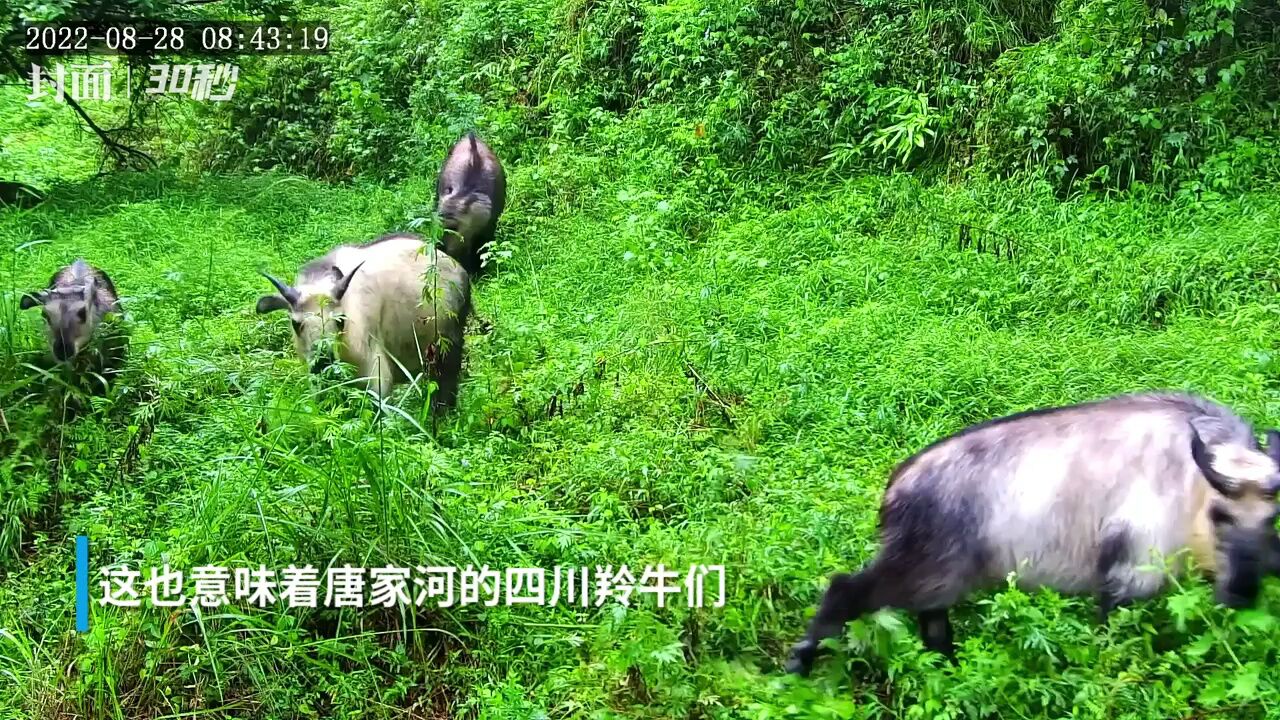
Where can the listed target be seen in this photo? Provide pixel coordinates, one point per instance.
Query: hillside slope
(734, 390)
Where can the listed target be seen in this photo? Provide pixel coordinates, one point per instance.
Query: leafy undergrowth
(41, 141)
(660, 384)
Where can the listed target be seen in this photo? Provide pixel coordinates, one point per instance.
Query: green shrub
(1086, 93)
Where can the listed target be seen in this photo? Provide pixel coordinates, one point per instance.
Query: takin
(391, 307)
(1074, 498)
(470, 195)
(80, 308)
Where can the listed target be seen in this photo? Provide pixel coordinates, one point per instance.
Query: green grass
(41, 141)
(748, 379)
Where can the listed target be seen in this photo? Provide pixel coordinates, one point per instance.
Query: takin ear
(1204, 459)
(30, 300)
(104, 306)
(271, 303)
(340, 289)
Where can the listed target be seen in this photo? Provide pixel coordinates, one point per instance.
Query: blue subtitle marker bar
(82, 583)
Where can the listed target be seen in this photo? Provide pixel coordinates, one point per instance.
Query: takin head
(78, 298)
(315, 309)
(1242, 510)
(470, 195)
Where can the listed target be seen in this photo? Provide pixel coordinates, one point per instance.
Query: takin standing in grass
(81, 310)
(391, 307)
(1076, 499)
(470, 195)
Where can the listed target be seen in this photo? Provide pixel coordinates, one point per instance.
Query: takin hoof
(800, 662)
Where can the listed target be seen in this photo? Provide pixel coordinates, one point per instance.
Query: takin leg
(847, 598)
(935, 631)
(923, 567)
(1120, 581)
(445, 363)
(475, 251)
(880, 585)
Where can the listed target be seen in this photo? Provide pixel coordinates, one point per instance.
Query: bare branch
(121, 152)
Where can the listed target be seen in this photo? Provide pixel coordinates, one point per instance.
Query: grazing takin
(392, 307)
(80, 306)
(470, 195)
(1072, 498)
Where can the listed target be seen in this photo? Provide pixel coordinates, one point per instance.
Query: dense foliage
(119, 130)
(1092, 93)
(720, 315)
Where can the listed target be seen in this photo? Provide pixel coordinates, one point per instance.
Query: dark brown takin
(471, 193)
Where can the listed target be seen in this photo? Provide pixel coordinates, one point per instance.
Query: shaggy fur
(78, 305)
(1073, 498)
